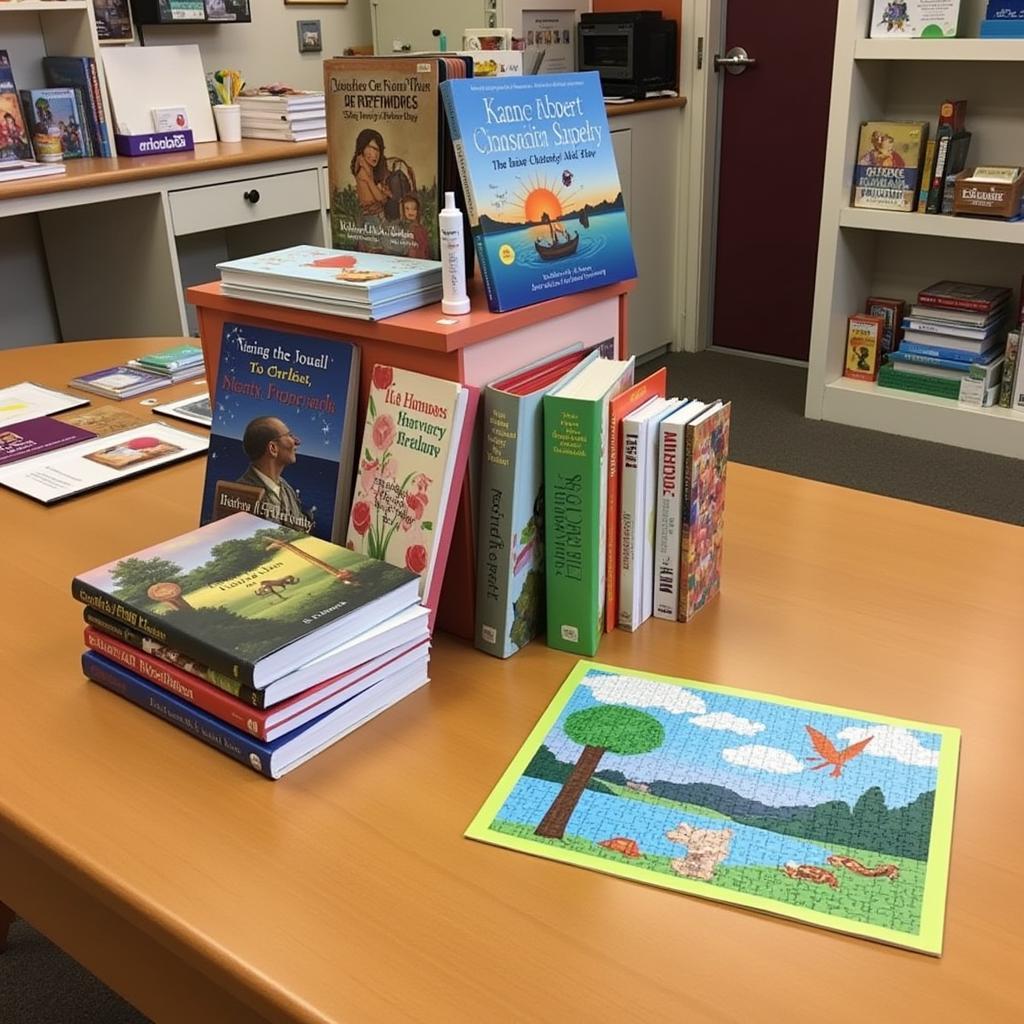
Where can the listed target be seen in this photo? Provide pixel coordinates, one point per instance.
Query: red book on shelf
(619, 408)
(977, 298)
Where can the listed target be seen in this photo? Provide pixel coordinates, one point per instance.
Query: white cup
(229, 122)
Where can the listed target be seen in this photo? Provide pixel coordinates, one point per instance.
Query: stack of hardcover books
(288, 117)
(264, 642)
(953, 343)
(367, 286)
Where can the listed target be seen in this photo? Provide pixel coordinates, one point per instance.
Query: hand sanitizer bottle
(454, 299)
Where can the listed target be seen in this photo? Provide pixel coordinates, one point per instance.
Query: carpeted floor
(41, 985)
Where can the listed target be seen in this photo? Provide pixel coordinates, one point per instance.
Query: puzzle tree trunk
(553, 823)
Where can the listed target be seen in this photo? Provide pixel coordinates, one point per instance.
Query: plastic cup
(229, 122)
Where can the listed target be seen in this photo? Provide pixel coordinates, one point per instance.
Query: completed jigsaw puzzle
(828, 816)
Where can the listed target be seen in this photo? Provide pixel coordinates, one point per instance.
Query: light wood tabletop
(346, 892)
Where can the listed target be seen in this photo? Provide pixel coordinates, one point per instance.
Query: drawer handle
(252, 196)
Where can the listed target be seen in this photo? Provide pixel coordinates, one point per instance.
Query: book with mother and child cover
(248, 598)
(284, 429)
(542, 188)
(834, 818)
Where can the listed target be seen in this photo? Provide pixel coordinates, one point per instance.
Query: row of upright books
(601, 503)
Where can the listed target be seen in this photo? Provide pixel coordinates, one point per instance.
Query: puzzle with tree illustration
(828, 816)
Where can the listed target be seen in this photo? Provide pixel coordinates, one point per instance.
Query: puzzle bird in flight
(829, 755)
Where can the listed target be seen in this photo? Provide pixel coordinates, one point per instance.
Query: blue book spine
(180, 713)
(936, 352)
(947, 364)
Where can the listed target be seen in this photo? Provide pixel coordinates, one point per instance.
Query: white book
(669, 504)
(1017, 398)
(636, 510)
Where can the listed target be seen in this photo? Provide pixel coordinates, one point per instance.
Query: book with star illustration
(284, 419)
(412, 462)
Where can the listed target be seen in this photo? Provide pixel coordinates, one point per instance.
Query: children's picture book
(836, 818)
(914, 19)
(26, 401)
(103, 420)
(57, 112)
(510, 537)
(88, 465)
(411, 465)
(707, 454)
(192, 410)
(863, 346)
(284, 427)
(542, 189)
(14, 135)
(80, 73)
(248, 598)
(119, 382)
(887, 175)
(383, 154)
(34, 437)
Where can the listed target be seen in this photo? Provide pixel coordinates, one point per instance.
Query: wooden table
(346, 892)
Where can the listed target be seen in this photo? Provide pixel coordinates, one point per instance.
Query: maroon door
(774, 123)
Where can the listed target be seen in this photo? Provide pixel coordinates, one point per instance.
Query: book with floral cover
(411, 465)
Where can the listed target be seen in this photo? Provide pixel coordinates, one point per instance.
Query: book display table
(472, 349)
(346, 892)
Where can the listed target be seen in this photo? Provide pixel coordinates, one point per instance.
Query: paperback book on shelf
(887, 174)
(14, 135)
(60, 113)
(542, 188)
(912, 19)
(284, 430)
(411, 465)
(248, 598)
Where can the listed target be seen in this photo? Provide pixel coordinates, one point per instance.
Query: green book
(924, 385)
(575, 503)
(173, 358)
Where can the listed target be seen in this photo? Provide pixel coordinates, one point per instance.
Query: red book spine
(182, 684)
(941, 302)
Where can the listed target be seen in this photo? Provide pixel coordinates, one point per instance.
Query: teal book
(575, 503)
(542, 189)
(510, 583)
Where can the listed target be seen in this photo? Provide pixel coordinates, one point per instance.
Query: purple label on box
(156, 142)
(33, 437)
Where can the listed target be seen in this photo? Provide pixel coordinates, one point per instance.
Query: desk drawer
(224, 206)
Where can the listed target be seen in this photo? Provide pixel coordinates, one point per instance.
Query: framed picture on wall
(113, 21)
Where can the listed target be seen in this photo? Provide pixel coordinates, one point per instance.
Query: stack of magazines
(265, 643)
(182, 362)
(367, 286)
(294, 116)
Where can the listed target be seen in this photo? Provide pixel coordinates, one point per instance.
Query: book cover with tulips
(407, 441)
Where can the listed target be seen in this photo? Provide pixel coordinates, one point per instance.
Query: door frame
(703, 37)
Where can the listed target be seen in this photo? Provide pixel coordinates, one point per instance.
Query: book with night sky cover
(304, 390)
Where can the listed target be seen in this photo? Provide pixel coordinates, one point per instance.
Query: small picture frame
(309, 36)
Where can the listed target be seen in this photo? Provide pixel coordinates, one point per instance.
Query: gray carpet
(41, 985)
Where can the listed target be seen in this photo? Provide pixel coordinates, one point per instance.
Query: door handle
(735, 61)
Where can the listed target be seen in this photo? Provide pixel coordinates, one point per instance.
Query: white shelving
(876, 252)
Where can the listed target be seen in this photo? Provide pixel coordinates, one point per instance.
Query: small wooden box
(985, 198)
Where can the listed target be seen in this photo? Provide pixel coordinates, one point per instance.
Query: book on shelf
(364, 285)
(60, 113)
(927, 172)
(543, 196)
(248, 598)
(277, 757)
(891, 311)
(295, 134)
(196, 409)
(87, 465)
(640, 431)
(407, 627)
(14, 133)
(952, 145)
(510, 595)
(619, 407)
(863, 346)
(265, 100)
(1010, 368)
(938, 347)
(890, 377)
(962, 297)
(978, 365)
(80, 73)
(920, 327)
(387, 151)
(15, 170)
(703, 508)
(284, 430)
(1017, 391)
(576, 502)
(410, 468)
(990, 372)
(889, 156)
(913, 19)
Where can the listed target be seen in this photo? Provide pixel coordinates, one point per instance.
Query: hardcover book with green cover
(575, 502)
(248, 598)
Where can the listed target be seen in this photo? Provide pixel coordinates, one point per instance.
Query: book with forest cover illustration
(836, 818)
(246, 597)
(542, 188)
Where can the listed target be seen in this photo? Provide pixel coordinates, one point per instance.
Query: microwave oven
(634, 52)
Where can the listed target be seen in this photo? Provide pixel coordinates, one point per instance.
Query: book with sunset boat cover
(542, 189)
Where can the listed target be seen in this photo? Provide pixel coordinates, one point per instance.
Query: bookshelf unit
(33, 29)
(874, 252)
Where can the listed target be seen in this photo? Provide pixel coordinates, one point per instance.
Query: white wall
(267, 49)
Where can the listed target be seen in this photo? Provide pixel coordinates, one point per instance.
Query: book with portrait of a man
(283, 432)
